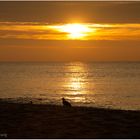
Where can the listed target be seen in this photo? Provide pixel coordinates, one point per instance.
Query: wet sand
(50, 121)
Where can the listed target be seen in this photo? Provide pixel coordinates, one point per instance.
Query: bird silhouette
(65, 103)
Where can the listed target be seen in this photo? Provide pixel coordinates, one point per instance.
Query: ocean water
(96, 84)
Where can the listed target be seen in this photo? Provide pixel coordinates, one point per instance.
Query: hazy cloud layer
(34, 31)
(30, 30)
(57, 12)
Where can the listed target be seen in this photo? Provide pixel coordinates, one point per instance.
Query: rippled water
(103, 84)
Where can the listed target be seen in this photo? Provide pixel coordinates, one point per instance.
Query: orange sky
(44, 31)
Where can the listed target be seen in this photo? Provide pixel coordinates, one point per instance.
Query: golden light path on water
(76, 83)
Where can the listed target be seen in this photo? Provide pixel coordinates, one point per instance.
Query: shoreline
(53, 121)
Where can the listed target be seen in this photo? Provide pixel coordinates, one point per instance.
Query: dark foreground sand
(49, 121)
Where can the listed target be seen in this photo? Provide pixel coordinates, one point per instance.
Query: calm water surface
(101, 84)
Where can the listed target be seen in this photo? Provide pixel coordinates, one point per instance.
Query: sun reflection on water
(76, 83)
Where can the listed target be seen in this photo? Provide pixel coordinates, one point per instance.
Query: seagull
(65, 103)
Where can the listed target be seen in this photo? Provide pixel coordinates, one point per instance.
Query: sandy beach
(50, 121)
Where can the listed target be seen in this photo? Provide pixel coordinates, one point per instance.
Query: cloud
(82, 11)
(45, 31)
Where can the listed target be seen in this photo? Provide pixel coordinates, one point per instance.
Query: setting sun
(74, 30)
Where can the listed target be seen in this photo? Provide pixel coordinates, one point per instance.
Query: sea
(93, 84)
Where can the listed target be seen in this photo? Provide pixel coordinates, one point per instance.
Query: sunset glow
(69, 31)
(74, 31)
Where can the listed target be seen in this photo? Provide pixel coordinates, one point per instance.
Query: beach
(28, 120)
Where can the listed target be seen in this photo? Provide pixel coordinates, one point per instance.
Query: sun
(75, 31)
